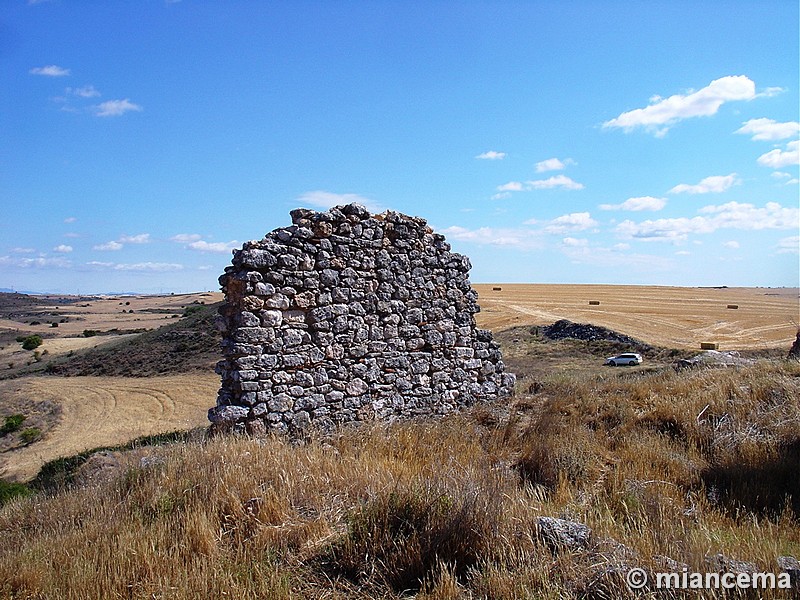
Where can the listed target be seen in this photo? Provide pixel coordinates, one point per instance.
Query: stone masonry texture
(346, 316)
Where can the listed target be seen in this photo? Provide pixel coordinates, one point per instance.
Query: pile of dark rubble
(565, 329)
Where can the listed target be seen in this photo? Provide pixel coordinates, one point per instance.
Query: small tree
(31, 342)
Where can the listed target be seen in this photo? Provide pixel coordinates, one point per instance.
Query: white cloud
(70, 219)
(185, 238)
(155, 267)
(108, 246)
(789, 245)
(87, 91)
(217, 247)
(709, 185)
(662, 113)
(115, 108)
(143, 267)
(511, 186)
(770, 92)
(553, 164)
(323, 199)
(683, 253)
(62, 249)
(733, 215)
(778, 159)
(731, 244)
(780, 175)
(637, 204)
(491, 155)
(521, 239)
(663, 230)
(579, 221)
(554, 182)
(142, 238)
(19, 250)
(40, 262)
(50, 71)
(768, 129)
(575, 242)
(746, 216)
(539, 184)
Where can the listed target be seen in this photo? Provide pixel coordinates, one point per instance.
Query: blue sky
(631, 142)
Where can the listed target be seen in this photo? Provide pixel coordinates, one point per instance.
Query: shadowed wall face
(346, 316)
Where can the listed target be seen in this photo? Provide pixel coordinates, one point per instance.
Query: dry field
(692, 465)
(106, 411)
(98, 411)
(100, 313)
(674, 317)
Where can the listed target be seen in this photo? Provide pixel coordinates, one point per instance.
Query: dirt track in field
(105, 411)
(675, 317)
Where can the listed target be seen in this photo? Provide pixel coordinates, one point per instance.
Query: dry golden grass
(673, 317)
(105, 411)
(676, 464)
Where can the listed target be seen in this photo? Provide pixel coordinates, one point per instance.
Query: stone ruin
(346, 316)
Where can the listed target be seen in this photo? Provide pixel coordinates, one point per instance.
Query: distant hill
(191, 343)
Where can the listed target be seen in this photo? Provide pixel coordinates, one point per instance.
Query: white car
(629, 358)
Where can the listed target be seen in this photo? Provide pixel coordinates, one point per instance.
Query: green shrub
(190, 310)
(89, 333)
(12, 423)
(31, 342)
(30, 435)
(9, 491)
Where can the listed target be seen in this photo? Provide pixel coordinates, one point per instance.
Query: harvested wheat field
(674, 317)
(105, 411)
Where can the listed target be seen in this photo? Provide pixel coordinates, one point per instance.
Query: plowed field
(104, 411)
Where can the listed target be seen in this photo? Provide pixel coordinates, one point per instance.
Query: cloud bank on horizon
(138, 160)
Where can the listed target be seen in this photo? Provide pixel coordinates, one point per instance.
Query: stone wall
(346, 316)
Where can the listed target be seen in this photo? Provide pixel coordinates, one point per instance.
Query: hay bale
(734, 306)
(594, 302)
(496, 289)
(709, 346)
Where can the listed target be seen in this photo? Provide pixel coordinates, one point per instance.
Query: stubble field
(673, 317)
(90, 412)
